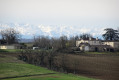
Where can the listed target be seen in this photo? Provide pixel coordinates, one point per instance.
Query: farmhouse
(12, 46)
(4, 45)
(94, 44)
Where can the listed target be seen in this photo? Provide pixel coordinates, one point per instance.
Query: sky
(55, 18)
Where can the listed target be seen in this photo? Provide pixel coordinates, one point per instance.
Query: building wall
(94, 42)
(116, 45)
(7, 47)
(86, 48)
(96, 48)
(109, 43)
(91, 48)
(77, 43)
(91, 42)
(112, 44)
(98, 45)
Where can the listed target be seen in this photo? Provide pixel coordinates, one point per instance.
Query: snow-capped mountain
(28, 30)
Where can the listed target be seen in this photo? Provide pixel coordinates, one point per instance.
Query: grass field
(13, 69)
(10, 50)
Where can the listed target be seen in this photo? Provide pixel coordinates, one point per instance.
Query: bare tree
(85, 36)
(63, 40)
(55, 44)
(72, 42)
(59, 43)
(10, 35)
(42, 42)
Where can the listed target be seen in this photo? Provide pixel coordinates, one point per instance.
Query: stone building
(94, 44)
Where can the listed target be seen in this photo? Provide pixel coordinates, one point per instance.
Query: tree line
(53, 60)
(57, 44)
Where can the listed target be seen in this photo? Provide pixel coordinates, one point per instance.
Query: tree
(111, 34)
(55, 44)
(118, 29)
(76, 37)
(72, 41)
(63, 41)
(85, 36)
(42, 42)
(59, 43)
(10, 35)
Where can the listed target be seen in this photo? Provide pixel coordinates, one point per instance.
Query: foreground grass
(10, 66)
(16, 69)
(52, 77)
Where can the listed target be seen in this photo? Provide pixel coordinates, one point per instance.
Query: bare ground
(101, 66)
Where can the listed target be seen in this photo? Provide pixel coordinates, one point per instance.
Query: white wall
(35, 48)
(91, 42)
(86, 48)
(7, 47)
(112, 44)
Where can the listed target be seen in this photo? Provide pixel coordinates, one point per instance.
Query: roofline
(99, 40)
(109, 41)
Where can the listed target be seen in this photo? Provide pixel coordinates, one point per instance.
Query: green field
(13, 69)
(10, 50)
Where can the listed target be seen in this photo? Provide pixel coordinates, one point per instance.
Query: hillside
(13, 69)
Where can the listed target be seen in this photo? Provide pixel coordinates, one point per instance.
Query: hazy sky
(78, 14)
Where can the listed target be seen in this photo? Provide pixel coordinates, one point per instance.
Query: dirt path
(26, 76)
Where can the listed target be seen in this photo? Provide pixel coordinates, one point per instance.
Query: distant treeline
(44, 42)
(62, 43)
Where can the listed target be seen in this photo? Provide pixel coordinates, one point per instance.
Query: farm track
(26, 76)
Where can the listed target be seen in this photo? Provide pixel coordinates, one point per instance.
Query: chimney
(79, 38)
(90, 38)
(97, 38)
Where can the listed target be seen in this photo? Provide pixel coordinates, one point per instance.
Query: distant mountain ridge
(29, 30)
(26, 40)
